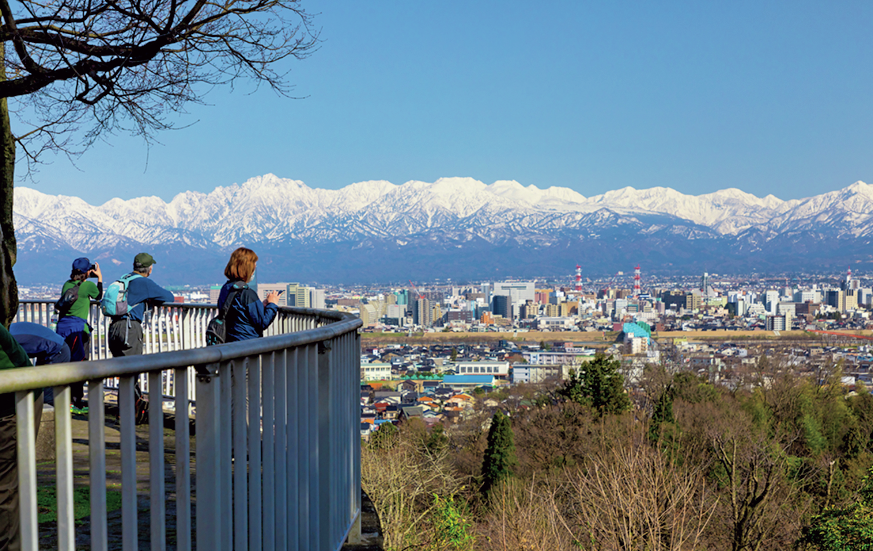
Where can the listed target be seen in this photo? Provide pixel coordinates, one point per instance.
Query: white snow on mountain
(269, 208)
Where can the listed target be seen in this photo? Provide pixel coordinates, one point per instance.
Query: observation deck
(276, 443)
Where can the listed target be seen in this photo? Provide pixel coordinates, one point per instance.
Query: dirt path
(81, 473)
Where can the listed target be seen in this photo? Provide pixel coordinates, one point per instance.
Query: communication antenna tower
(578, 277)
(637, 291)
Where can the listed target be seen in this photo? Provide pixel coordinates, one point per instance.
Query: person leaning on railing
(125, 332)
(73, 326)
(248, 316)
(43, 346)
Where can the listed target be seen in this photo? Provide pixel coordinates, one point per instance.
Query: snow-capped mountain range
(454, 227)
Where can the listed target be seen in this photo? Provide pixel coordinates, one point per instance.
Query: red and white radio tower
(637, 291)
(578, 277)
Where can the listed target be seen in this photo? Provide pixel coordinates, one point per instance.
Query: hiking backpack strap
(231, 296)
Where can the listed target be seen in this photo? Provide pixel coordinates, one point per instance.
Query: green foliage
(499, 460)
(846, 529)
(385, 436)
(47, 503)
(600, 386)
(452, 525)
(544, 345)
(693, 389)
(436, 439)
(662, 414)
(454, 354)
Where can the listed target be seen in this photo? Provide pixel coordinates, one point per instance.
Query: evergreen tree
(849, 529)
(662, 414)
(499, 460)
(599, 385)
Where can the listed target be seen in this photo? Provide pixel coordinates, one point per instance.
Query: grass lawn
(47, 503)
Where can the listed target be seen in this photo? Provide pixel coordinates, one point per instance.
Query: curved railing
(299, 485)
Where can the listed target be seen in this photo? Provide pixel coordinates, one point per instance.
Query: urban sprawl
(433, 350)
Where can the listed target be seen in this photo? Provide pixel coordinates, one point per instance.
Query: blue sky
(769, 97)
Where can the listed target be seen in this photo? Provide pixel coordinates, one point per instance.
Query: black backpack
(68, 298)
(216, 330)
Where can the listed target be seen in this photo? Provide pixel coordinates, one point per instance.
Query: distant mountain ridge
(451, 228)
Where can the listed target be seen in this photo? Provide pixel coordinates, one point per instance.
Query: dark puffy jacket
(247, 317)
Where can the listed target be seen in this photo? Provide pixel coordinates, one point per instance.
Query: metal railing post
(64, 468)
(127, 422)
(97, 465)
(207, 456)
(157, 507)
(183, 462)
(325, 446)
(26, 435)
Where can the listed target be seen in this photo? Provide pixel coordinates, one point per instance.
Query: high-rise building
(298, 295)
(316, 298)
(775, 323)
(835, 298)
(266, 288)
(806, 296)
(693, 301)
(214, 291)
(786, 309)
(501, 306)
(422, 314)
(517, 291)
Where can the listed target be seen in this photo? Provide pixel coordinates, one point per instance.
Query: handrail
(301, 381)
(28, 378)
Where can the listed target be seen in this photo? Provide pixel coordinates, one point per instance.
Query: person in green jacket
(73, 325)
(12, 355)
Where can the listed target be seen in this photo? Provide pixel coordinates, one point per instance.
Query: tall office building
(265, 288)
(422, 314)
(214, 291)
(298, 295)
(501, 306)
(316, 298)
(516, 292)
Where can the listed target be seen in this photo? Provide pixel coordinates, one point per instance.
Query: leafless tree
(402, 479)
(76, 69)
(633, 496)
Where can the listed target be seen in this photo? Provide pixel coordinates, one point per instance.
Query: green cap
(144, 259)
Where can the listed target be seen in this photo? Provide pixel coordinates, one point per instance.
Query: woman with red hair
(248, 316)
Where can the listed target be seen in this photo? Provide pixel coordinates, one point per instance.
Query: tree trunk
(8, 245)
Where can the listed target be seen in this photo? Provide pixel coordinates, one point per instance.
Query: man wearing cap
(125, 332)
(73, 324)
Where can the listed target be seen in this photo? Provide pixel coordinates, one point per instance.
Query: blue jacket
(247, 317)
(143, 290)
(36, 339)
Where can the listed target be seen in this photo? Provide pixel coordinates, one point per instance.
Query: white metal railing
(166, 328)
(290, 481)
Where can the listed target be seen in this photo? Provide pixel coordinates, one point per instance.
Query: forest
(782, 461)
